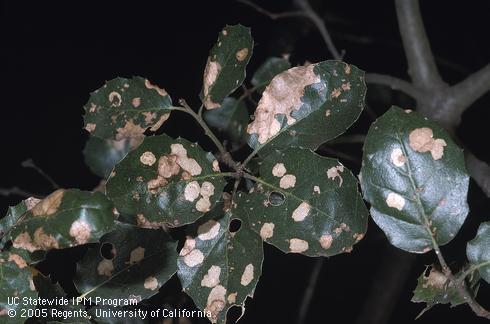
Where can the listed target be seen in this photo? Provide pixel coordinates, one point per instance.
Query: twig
(421, 64)
(16, 191)
(394, 84)
(320, 25)
(225, 156)
(459, 284)
(29, 163)
(463, 94)
(309, 291)
(272, 15)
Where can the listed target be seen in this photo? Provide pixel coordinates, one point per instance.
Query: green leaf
(478, 251)
(414, 177)
(125, 108)
(225, 68)
(101, 155)
(64, 219)
(69, 312)
(142, 261)
(218, 268)
(305, 203)
(307, 106)
(231, 119)
(166, 180)
(268, 70)
(15, 281)
(433, 288)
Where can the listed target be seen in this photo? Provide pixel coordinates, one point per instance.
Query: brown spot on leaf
(136, 255)
(397, 157)
(80, 231)
(281, 97)
(267, 231)
(216, 166)
(334, 172)
(336, 93)
(188, 164)
(394, 200)
(189, 245)
(136, 102)
(241, 54)
(208, 230)
(191, 191)
(148, 158)
(300, 213)
(248, 275)
(421, 140)
(131, 131)
(142, 222)
(297, 245)
(232, 298)
(211, 279)
(194, 258)
(287, 181)
(435, 279)
(151, 283)
(326, 241)
(216, 303)
(105, 268)
(163, 118)
(279, 170)
(115, 99)
(90, 127)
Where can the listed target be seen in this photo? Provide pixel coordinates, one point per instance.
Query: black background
(54, 53)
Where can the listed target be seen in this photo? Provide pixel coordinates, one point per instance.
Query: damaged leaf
(14, 214)
(101, 155)
(166, 180)
(268, 70)
(15, 280)
(225, 68)
(434, 288)
(478, 251)
(125, 108)
(64, 219)
(307, 106)
(219, 268)
(413, 194)
(231, 119)
(305, 203)
(130, 263)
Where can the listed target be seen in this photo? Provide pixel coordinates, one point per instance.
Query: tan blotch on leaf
(281, 97)
(211, 279)
(115, 99)
(297, 245)
(142, 222)
(148, 158)
(18, 260)
(267, 231)
(248, 275)
(334, 172)
(131, 131)
(194, 258)
(105, 268)
(191, 191)
(90, 127)
(163, 118)
(49, 205)
(80, 231)
(300, 213)
(188, 164)
(216, 303)
(189, 245)
(208, 230)
(137, 255)
(421, 140)
(232, 298)
(160, 91)
(151, 283)
(279, 170)
(435, 279)
(394, 200)
(287, 181)
(241, 54)
(136, 102)
(40, 241)
(326, 241)
(210, 75)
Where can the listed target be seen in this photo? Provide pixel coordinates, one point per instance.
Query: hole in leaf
(235, 225)
(276, 198)
(108, 251)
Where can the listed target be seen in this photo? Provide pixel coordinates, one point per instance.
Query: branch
(421, 64)
(463, 94)
(395, 84)
(29, 163)
(479, 171)
(272, 15)
(309, 291)
(16, 191)
(320, 25)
